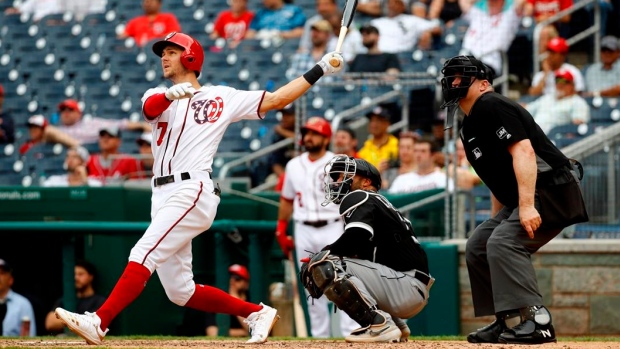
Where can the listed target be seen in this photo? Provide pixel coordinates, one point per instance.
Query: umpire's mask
(339, 173)
(465, 68)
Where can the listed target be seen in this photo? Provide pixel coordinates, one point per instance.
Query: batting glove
(286, 243)
(327, 67)
(180, 91)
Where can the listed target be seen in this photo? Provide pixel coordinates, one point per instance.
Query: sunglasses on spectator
(562, 80)
(236, 277)
(65, 108)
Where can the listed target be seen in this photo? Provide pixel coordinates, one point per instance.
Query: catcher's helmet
(339, 173)
(462, 67)
(193, 55)
(318, 125)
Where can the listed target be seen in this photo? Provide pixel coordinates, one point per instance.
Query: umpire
(535, 194)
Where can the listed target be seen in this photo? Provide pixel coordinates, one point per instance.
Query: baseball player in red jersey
(189, 122)
(315, 225)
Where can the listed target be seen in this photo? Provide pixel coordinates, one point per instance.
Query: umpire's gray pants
(397, 293)
(498, 260)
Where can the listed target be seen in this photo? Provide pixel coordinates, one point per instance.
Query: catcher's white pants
(180, 211)
(308, 238)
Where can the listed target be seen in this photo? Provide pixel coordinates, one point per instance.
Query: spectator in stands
(7, 126)
(381, 147)
(544, 80)
(466, 177)
(603, 78)
(87, 299)
(75, 163)
(401, 32)
(324, 10)
(36, 129)
(154, 24)
(406, 159)
(302, 61)
(492, 28)
(110, 166)
(145, 163)
(445, 10)
(345, 142)
(86, 131)
(427, 175)
(81, 8)
(372, 8)
(13, 306)
(279, 158)
(374, 61)
(352, 44)
(563, 107)
(540, 10)
(234, 23)
(238, 287)
(36, 9)
(277, 19)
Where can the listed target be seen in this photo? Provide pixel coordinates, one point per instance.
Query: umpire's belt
(159, 181)
(319, 224)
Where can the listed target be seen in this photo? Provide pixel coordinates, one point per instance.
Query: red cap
(240, 270)
(564, 74)
(69, 104)
(558, 45)
(37, 120)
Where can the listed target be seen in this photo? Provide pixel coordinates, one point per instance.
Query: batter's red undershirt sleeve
(155, 105)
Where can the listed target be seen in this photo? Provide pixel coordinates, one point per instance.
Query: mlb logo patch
(477, 153)
(502, 133)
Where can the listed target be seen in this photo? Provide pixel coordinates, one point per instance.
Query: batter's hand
(530, 219)
(327, 67)
(286, 243)
(180, 91)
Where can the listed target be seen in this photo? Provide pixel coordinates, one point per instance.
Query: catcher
(376, 272)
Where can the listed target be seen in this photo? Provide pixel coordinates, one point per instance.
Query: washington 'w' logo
(208, 110)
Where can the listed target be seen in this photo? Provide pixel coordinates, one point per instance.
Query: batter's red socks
(127, 289)
(213, 300)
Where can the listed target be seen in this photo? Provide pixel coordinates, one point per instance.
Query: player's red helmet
(318, 125)
(193, 55)
(558, 45)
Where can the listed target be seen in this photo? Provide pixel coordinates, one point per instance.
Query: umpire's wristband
(313, 75)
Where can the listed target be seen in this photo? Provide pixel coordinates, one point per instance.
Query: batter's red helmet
(193, 55)
(318, 125)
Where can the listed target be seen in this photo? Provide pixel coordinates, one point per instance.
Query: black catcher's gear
(339, 173)
(467, 68)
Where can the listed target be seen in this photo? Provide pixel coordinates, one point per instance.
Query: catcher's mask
(467, 69)
(339, 173)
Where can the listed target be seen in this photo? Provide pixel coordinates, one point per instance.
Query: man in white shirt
(491, 30)
(603, 78)
(563, 107)
(544, 81)
(402, 32)
(427, 176)
(76, 175)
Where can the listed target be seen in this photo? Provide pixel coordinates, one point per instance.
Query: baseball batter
(189, 122)
(315, 226)
(376, 272)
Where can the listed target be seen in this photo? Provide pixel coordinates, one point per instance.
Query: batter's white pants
(180, 211)
(308, 238)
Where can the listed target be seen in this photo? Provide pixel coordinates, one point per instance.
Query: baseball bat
(347, 18)
(298, 311)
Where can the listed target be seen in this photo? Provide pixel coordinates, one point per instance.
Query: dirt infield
(297, 344)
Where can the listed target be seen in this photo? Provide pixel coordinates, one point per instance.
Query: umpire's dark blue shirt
(494, 123)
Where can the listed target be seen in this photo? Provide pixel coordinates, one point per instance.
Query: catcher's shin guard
(349, 299)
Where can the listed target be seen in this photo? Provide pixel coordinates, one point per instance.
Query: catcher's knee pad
(349, 299)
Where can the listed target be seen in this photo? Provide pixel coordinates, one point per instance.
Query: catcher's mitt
(306, 279)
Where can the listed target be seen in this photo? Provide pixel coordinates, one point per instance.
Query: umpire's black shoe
(529, 332)
(489, 333)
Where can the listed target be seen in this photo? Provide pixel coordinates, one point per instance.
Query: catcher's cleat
(529, 332)
(489, 333)
(386, 332)
(84, 325)
(261, 323)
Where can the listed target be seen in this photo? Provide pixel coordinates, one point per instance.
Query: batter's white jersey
(303, 183)
(187, 134)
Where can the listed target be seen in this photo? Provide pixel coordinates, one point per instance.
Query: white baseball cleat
(86, 326)
(386, 332)
(261, 323)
